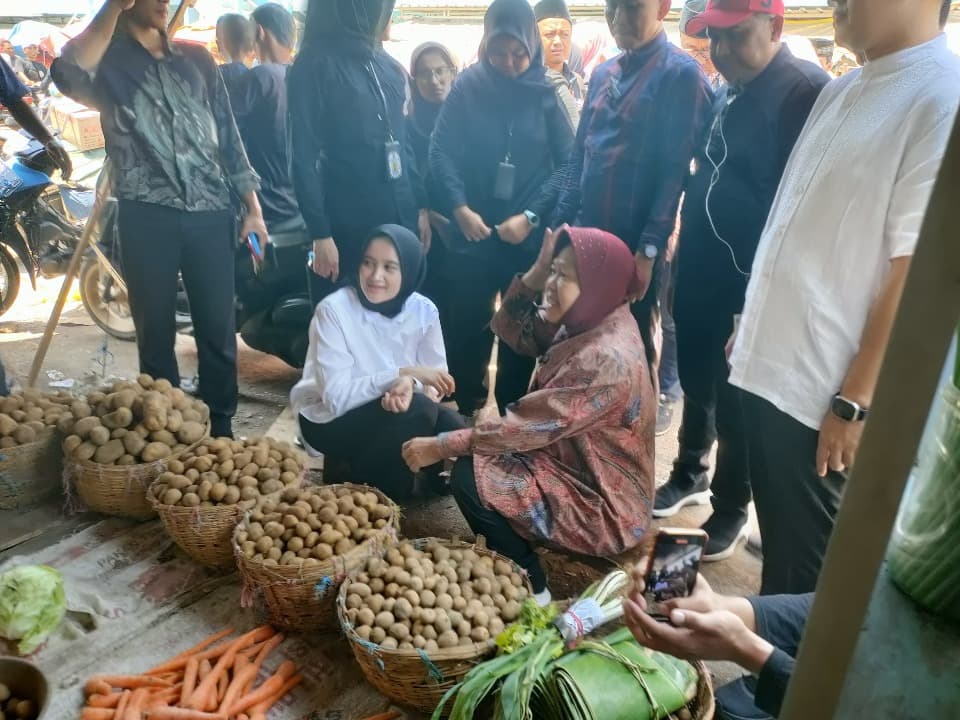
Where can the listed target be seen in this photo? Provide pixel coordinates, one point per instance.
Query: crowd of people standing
(767, 212)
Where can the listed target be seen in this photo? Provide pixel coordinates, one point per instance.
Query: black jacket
(340, 128)
(471, 139)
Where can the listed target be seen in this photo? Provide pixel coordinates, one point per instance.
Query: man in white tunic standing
(830, 269)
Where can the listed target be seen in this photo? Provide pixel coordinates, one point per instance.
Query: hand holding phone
(673, 566)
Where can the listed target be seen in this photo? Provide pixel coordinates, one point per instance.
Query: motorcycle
(41, 222)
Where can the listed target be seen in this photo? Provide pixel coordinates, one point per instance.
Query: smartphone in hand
(673, 566)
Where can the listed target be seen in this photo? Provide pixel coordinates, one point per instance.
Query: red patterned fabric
(571, 464)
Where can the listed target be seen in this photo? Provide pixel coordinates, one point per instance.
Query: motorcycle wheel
(9, 281)
(111, 313)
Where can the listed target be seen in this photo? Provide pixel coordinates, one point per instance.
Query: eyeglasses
(440, 73)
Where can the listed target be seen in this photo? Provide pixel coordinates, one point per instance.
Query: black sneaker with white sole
(678, 492)
(725, 534)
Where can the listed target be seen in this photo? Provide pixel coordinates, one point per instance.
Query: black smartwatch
(847, 409)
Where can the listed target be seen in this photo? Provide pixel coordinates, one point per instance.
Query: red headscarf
(607, 276)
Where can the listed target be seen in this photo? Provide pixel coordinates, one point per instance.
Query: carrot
(172, 713)
(237, 685)
(222, 684)
(96, 686)
(122, 705)
(103, 701)
(259, 711)
(134, 710)
(204, 644)
(128, 682)
(252, 651)
(268, 647)
(204, 670)
(267, 690)
(97, 713)
(189, 680)
(226, 660)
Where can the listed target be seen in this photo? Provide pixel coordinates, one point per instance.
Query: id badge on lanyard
(392, 152)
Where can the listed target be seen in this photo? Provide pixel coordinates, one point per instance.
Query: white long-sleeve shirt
(355, 354)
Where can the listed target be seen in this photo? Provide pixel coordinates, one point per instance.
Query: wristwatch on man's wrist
(532, 218)
(847, 409)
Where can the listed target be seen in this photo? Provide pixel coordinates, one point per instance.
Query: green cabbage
(32, 604)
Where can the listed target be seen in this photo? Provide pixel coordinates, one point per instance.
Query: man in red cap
(757, 117)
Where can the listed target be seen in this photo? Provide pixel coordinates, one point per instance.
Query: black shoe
(725, 534)
(679, 492)
(664, 416)
(221, 427)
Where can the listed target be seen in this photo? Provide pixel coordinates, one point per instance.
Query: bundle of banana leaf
(539, 665)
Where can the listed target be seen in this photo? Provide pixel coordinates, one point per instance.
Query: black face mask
(413, 268)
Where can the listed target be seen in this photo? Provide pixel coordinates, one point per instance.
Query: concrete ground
(83, 353)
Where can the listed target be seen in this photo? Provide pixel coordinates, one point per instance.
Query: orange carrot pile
(214, 680)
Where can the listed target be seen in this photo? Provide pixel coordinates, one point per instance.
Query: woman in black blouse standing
(496, 161)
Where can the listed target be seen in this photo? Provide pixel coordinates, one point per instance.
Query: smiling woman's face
(380, 277)
(562, 288)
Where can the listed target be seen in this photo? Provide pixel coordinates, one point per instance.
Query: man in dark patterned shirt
(644, 112)
(176, 158)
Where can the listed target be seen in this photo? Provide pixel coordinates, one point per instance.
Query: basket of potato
(121, 438)
(203, 494)
(421, 616)
(30, 458)
(296, 553)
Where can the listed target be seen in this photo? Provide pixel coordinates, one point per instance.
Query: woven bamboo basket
(120, 489)
(411, 677)
(31, 473)
(305, 598)
(703, 706)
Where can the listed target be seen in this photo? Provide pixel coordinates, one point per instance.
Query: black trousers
(501, 537)
(711, 410)
(369, 439)
(158, 245)
(796, 507)
(474, 283)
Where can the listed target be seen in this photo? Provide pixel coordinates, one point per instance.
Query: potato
(99, 436)
(174, 421)
(273, 529)
(79, 409)
(190, 432)
(71, 443)
(162, 385)
(120, 418)
(399, 631)
(448, 639)
(84, 451)
(171, 497)
(83, 426)
(190, 500)
(163, 436)
(155, 451)
(109, 453)
(155, 407)
(126, 459)
(378, 635)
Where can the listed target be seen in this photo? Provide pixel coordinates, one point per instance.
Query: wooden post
(103, 192)
(926, 320)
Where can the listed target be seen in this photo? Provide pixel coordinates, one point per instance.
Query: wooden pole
(103, 192)
(924, 327)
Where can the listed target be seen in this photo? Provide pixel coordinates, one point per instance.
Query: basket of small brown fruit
(121, 438)
(203, 494)
(420, 617)
(30, 457)
(295, 553)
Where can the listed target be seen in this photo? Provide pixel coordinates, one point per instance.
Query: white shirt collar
(895, 62)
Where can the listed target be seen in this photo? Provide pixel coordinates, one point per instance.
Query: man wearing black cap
(260, 108)
(556, 31)
(757, 118)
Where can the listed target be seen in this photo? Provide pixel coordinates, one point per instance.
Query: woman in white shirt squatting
(376, 369)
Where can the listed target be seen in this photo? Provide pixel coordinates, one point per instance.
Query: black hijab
(515, 19)
(346, 22)
(413, 268)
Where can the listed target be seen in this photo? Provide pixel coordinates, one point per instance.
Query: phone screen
(674, 565)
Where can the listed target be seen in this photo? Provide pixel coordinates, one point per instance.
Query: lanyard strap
(383, 99)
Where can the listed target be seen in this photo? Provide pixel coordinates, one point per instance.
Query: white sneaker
(543, 598)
